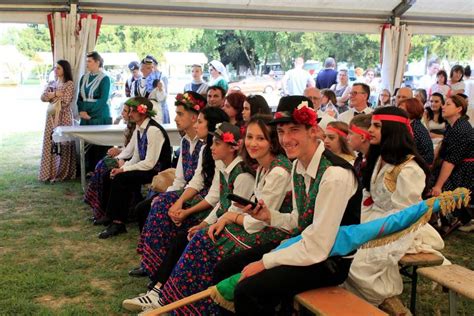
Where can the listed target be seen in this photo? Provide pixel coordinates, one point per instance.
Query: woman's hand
(252, 269)
(193, 230)
(260, 212)
(178, 216)
(215, 229)
(83, 115)
(51, 95)
(59, 93)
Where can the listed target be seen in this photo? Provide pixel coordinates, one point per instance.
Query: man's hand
(115, 172)
(252, 269)
(112, 152)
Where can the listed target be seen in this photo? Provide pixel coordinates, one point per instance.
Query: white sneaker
(148, 301)
(469, 227)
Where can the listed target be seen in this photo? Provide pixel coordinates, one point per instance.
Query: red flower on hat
(142, 108)
(179, 97)
(197, 107)
(305, 115)
(228, 137)
(278, 115)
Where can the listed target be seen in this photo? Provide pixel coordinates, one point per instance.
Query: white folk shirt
(155, 139)
(243, 186)
(374, 273)
(337, 186)
(271, 188)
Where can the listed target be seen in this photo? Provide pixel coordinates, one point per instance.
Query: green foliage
(248, 48)
(29, 40)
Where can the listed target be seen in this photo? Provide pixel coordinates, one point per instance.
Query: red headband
(394, 118)
(360, 131)
(336, 130)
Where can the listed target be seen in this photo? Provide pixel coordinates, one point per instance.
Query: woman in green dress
(92, 103)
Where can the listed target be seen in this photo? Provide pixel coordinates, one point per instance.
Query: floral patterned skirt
(159, 229)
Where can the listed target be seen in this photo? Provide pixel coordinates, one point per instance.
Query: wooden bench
(335, 301)
(412, 262)
(457, 279)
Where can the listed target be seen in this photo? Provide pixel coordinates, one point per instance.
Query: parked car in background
(255, 84)
(272, 69)
(313, 67)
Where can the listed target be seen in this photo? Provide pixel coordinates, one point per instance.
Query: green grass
(52, 263)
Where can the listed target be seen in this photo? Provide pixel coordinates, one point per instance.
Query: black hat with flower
(191, 100)
(295, 109)
(228, 133)
(141, 105)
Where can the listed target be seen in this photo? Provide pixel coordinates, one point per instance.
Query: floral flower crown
(302, 114)
(143, 109)
(189, 101)
(226, 137)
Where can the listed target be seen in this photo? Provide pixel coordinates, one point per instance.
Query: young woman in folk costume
(335, 140)
(115, 159)
(176, 211)
(231, 176)
(223, 235)
(395, 178)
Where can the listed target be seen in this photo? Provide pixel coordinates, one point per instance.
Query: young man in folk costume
(188, 106)
(152, 153)
(326, 195)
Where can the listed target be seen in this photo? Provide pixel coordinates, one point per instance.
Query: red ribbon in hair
(336, 130)
(394, 118)
(360, 131)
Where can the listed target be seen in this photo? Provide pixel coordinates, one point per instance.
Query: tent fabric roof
(365, 16)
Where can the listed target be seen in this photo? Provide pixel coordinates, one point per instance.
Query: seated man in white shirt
(325, 195)
(151, 154)
(360, 94)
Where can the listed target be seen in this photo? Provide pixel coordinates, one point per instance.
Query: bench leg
(414, 282)
(453, 300)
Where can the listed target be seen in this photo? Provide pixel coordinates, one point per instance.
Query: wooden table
(459, 280)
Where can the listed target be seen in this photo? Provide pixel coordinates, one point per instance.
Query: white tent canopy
(365, 16)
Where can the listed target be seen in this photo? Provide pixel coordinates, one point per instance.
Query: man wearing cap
(151, 76)
(134, 68)
(325, 195)
(151, 154)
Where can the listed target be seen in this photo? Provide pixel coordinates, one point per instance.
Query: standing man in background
(297, 79)
(328, 76)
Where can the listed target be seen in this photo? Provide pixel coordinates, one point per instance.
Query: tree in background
(248, 48)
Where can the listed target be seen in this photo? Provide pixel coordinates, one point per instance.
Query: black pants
(142, 209)
(172, 256)
(93, 155)
(123, 187)
(260, 294)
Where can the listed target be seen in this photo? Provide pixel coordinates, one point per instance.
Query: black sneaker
(137, 272)
(113, 230)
